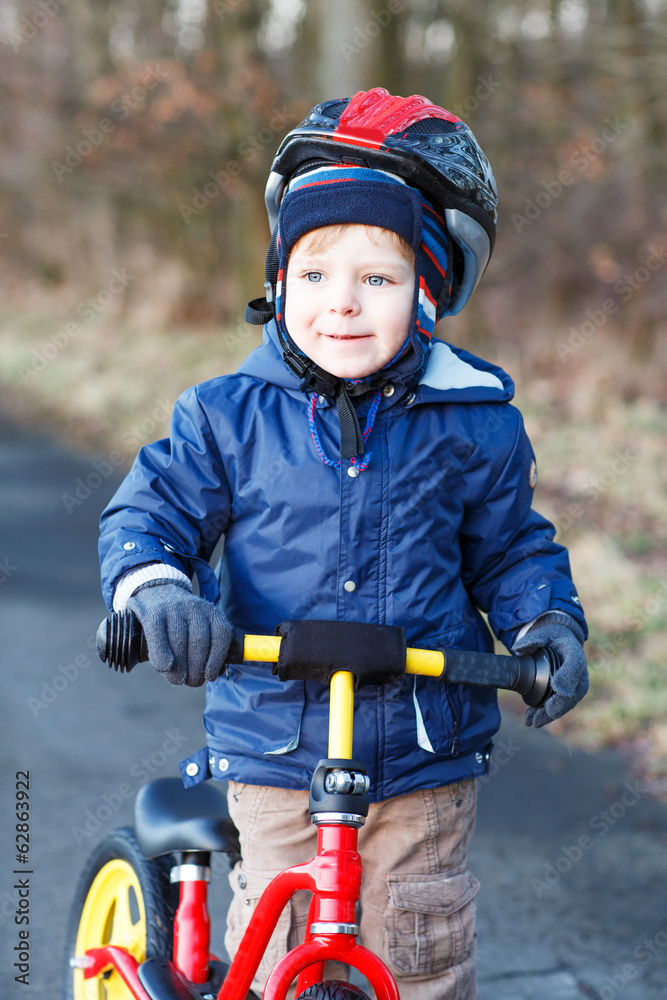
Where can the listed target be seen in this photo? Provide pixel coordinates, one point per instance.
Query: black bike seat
(169, 817)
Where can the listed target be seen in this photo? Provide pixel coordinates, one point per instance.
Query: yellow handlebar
(428, 662)
(266, 648)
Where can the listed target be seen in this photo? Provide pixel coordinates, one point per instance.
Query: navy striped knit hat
(328, 194)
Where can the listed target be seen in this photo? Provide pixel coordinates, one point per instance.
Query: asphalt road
(572, 855)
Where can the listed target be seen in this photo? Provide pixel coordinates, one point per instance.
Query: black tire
(99, 923)
(333, 989)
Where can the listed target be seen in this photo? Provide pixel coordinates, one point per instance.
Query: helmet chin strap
(351, 439)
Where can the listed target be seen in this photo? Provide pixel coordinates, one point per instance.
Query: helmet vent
(431, 126)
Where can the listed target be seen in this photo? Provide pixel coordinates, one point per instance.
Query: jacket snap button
(353, 472)
(242, 881)
(388, 390)
(410, 400)
(192, 769)
(349, 586)
(128, 546)
(479, 758)
(223, 763)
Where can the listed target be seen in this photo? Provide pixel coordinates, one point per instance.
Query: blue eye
(376, 279)
(313, 276)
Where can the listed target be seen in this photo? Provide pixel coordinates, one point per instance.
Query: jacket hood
(452, 374)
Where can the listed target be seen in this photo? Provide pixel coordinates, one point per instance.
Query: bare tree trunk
(350, 38)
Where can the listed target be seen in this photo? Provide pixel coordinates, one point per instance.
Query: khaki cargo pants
(417, 897)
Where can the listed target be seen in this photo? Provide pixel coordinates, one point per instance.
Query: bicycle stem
(341, 711)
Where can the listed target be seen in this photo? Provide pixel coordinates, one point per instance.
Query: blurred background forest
(136, 140)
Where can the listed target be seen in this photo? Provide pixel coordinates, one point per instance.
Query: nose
(343, 300)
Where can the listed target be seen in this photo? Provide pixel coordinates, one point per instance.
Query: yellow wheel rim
(113, 913)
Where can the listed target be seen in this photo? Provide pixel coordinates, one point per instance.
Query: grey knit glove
(560, 632)
(188, 637)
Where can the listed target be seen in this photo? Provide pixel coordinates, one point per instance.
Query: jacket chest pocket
(251, 710)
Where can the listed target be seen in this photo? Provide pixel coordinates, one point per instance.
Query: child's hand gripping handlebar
(121, 644)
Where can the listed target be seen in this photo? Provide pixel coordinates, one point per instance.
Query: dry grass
(603, 479)
(113, 384)
(599, 442)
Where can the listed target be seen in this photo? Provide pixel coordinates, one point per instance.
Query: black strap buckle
(312, 377)
(258, 312)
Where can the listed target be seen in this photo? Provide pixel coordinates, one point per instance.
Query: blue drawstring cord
(370, 420)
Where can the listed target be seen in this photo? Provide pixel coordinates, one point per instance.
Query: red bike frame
(334, 878)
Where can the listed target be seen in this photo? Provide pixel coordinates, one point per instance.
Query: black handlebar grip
(121, 641)
(529, 675)
(483, 669)
(535, 683)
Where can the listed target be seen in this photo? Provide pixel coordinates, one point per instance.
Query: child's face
(348, 306)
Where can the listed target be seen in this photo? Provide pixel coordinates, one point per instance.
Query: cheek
(299, 315)
(299, 297)
(400, 312)
(406, 310)
(290, 302)
(299, 308)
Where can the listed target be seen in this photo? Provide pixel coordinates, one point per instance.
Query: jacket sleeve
(511, 565)
(173, 505)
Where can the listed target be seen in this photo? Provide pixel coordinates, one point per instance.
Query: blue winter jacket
(438, 528)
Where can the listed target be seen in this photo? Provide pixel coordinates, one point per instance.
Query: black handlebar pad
(121, 641)
(314, 650)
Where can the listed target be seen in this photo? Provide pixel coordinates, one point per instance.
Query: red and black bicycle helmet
(427, 146)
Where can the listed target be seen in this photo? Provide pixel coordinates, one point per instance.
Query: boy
(383, 217)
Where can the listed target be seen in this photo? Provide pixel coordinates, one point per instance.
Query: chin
(349, 367)
(350, 371)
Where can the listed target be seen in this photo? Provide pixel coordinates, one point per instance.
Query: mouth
(347, 336)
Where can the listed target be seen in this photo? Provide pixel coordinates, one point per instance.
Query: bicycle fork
(191, 939)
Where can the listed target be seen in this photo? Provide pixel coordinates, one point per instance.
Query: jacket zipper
(455, 722)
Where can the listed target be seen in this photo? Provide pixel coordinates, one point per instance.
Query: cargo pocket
(430, 922)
